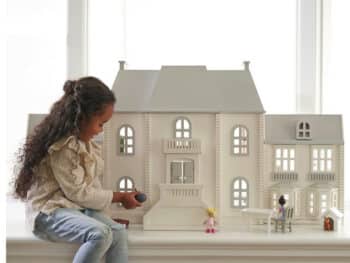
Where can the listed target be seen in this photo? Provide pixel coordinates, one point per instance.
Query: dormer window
(126, 140)
(183, 128)
(303, 131)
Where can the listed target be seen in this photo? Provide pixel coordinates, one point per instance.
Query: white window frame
(179, 133)
(303, 130)
(182, 177)
(317, 159)
(126, 188)
(126, 138)
(240, 143)
(239, 191)
(284, 155)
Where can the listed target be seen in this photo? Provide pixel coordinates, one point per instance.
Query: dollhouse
(193, 138)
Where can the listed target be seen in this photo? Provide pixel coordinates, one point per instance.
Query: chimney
(121, 64)
(246, 65)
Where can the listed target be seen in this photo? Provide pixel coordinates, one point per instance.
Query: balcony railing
(321, 177)
(181, 194)
(181, 146)
(285, 176)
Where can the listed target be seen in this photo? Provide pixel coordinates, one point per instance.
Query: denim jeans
(98, 234)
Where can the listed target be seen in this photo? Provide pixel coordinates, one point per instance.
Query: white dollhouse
(192, 138)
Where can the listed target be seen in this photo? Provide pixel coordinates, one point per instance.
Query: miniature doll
(210, 222)
(281, 214)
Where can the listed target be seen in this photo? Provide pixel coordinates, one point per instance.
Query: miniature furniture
(283, 221)
(258, 213)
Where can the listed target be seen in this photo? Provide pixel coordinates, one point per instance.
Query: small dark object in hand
(141, 197)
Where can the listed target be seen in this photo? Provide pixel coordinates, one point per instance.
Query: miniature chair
(281, 222)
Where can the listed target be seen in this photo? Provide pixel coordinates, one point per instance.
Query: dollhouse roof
(186, 89)
(325, 129)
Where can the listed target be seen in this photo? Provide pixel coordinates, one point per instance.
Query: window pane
(278, 153)
(236, 185)
(244, 132)
(186, 134)
(329, 165)
(244, 184)
(236, 132)
(329, 153)
(36, 40)
(130, 133)
(186, 125)
(122, 131)
(178, 125)
(178, 134)
(292, 153)
(129, 184)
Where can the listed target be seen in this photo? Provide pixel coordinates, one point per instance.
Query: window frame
(318, 159)
(126, 178)
(240, 190)
(183, 176)
(182, 130)
(240, 139)
(282, 159)
(126, 138)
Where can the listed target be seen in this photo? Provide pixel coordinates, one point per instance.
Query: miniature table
(258, 213)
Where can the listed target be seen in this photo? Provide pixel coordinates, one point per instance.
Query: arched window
(240, 140)
(240, 193)
(126, 140)
(183, 128)
(303, 130)
(126, 184)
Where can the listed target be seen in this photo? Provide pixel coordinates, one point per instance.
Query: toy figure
(210, 222)
(327, 225)
(281, 210)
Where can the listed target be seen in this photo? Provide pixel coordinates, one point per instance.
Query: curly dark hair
(82, 99)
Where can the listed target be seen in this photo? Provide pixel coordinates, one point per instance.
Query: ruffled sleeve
(70, 168)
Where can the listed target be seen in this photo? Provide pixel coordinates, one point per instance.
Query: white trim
(310, 36)
(77, 39)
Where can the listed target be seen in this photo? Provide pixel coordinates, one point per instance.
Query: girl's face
(94, 125)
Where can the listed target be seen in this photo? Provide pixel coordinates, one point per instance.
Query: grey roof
(186, 89)
(325, 129)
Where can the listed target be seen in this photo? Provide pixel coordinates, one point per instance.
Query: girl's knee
(103, 233)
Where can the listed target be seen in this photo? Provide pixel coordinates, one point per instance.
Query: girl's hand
(127, 199)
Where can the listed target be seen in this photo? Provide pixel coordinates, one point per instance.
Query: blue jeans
(98, 234)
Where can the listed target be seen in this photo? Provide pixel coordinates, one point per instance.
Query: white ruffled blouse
(69, 177)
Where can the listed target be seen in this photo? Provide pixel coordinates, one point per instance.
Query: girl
(59, 175)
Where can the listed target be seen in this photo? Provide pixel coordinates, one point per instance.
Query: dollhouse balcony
(181, 194)
(321, 177)
(285, 176)
(181, 146)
